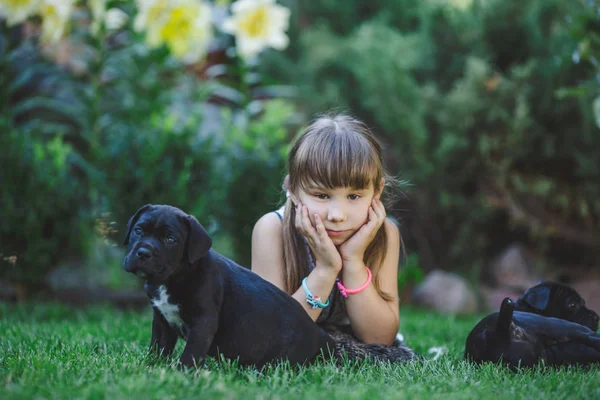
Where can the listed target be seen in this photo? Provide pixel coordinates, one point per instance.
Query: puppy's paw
(189, 364)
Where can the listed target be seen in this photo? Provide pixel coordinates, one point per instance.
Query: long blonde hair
(333, 151)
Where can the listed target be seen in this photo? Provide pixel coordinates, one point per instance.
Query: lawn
(56, 352)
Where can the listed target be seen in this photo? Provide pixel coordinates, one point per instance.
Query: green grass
(56, 352)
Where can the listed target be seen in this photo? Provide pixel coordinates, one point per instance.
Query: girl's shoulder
(392, 231)
(392, 226)
(267, 249)
(269, 224)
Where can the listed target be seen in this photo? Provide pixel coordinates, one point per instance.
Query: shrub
(467, 98)
(256, 157)
(44, 213)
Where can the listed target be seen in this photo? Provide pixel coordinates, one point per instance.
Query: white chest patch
(169, 310)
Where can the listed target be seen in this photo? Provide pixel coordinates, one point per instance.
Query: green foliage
(132, 124)
(256, 157)
(161, 166)
(46, 204)
(34, 93)
(475, 106)
(584, 27)
(150, 149)
(467, 99)
(410, 274)
(43, 206)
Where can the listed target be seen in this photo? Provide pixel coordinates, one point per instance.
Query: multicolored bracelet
(345, 291)
(314, 301)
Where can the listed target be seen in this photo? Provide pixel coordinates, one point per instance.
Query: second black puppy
(217, 306)
(553, 299)
(524, 339)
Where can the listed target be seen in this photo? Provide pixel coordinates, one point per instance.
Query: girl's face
(343, 210)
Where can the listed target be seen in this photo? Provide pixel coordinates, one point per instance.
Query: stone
(445, 292)
(513, 269)
(492, 297)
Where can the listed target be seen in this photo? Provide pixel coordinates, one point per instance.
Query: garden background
(489, 111)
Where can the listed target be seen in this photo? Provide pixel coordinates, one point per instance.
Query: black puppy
(553, 299)
(217, 306)
(524, 339)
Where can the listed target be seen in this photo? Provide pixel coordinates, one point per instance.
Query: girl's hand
(325, 252)
(353, 249)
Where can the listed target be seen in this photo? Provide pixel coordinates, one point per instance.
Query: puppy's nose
(143, 254)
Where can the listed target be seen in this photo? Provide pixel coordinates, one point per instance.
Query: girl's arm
(267, 261)
(373, 319)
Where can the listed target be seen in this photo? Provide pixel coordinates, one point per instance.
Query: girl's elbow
(385, 342)
(385, 339)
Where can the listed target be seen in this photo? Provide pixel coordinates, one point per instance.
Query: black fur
(223, 308)
(553, 299)
(525, 339)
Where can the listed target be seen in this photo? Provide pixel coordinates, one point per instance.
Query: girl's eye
(353, 197)
(321, 196)
(170, 239)
(138, 231)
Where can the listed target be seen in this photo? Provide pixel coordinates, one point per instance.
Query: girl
(331, 246)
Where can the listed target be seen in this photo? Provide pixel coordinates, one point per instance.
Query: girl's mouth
(335, 233)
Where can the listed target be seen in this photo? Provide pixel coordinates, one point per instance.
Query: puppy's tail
(505, 317)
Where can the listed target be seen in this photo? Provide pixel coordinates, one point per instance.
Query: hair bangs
(337, 160)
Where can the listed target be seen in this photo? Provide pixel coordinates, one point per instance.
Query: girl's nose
(336, 214)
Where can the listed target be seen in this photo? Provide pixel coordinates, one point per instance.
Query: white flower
(115, 19)
(17, 11)
(258, 24)
(55, 18)
(184, 26)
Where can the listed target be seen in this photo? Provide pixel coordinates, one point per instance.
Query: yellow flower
(55, 18)
(150, 16)
(258, 24)
(184, 26)
(17, 11)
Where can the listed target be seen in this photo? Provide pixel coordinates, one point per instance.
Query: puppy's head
(162, 241)
(553, 299)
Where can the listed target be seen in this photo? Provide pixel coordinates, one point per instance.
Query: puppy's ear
(537, 298)
(133, 220)
(198, 241)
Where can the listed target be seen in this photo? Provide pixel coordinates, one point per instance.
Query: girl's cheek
(311, 216)
(366, 216)
(312, 212)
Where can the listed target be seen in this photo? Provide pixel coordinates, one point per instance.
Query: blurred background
(489, 110)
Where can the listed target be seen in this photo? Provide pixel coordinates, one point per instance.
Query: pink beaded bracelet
(345, 292)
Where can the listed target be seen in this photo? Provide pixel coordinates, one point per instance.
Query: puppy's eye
(572, 305)
(138, 231)
(170, 239)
